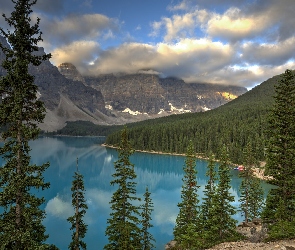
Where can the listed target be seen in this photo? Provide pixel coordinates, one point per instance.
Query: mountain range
(111, 99)
(235, 124)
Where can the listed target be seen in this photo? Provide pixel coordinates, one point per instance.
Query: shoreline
(258, 172)
(45, 135)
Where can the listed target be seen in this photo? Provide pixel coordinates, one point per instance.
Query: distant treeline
(234, 124)
(85, 128)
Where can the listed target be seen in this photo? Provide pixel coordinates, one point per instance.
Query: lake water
(161, 173)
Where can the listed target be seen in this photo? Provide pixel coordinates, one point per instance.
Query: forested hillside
(234, 124)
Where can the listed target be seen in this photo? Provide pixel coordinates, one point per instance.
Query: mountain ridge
(140, 93)
(116, 98)
(234, 124)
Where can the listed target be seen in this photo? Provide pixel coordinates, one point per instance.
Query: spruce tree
(187, 228)
(78, 202)
(280, 162)
(20, 111)
(222, 225)
(147, 209)
(209, 193)
(251, 198)
(123, 229)
(256, 203)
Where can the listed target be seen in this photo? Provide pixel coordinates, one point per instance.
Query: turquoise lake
(161, 173)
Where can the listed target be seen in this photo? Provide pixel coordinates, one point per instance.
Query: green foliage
(251, 198)
(281, 159)
(20, 112)
(234, 124)
(188, 221)
(123, 231)
(220, 225)
(147, 209)
(86, 128)
(281, 230)
(209, 193)
(78, 202)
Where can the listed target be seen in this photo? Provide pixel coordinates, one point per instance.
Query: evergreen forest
(235, 124)
(258, 125)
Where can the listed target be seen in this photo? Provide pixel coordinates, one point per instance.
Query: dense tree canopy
(123, 229)
(234, 124)
(280, 205)
(20, 112)
(79, 203)
(188, 226)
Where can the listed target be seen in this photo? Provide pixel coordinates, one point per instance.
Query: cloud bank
(226, 42)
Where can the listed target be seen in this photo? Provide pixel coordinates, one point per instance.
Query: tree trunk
(18, 200)
(77, 220)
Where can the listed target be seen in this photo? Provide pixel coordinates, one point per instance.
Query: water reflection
(161, 173)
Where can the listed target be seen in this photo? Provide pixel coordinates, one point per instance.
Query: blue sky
(235, 42)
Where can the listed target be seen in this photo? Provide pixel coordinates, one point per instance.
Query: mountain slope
(64, 99)
(152, 95)
(117, 99)
(234, 124)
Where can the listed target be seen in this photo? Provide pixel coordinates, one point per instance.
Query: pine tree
(147, 209)
(280, 163)
(256, 203)
(123, 227)
(20, 111)
(222, 225)
(78, 202)
(209, 193)
(251, 199)
(188, 221)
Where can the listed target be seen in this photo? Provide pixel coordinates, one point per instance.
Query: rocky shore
(255, 233)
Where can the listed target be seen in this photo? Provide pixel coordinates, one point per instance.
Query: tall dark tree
(188, 221)
(251, 198)
(79, 203)
(209, 193)
(147, 208)
(20, 111)
(280, 162)
(221, 224)
(123, 229)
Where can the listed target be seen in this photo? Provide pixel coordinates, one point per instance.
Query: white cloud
(74, 27)
(233, 25)
(176, 27)
(99, 198)
(184, 5)
(186, 59)
(229, 42)
(59, 208)
(268, 53)
(79, 53)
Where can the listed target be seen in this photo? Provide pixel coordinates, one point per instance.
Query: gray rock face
(153, 95)
(70, 72)
(118, 99)
(63, 97)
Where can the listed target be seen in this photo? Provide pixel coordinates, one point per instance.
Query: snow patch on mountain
(109, 107)
(205, 108)
(128, 110)
(181, 110)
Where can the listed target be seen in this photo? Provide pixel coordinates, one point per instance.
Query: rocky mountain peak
(70, 72)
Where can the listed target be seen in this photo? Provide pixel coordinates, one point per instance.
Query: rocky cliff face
(118, 99)
(70, 72)
(144, 95)
(65, 99)
(149, 94)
